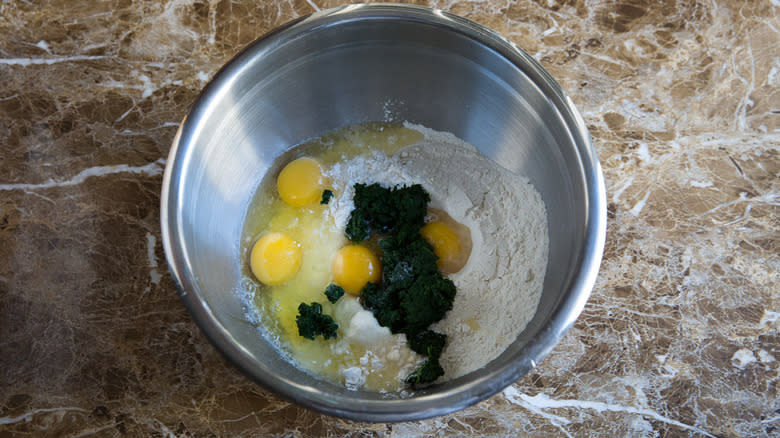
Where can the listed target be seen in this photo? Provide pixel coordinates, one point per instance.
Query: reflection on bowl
(353, 65)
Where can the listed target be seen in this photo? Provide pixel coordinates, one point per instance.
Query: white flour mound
(499, 288)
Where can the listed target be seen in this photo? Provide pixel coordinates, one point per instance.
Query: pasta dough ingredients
(488, 226)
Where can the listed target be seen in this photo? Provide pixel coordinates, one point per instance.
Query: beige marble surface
(680, 337)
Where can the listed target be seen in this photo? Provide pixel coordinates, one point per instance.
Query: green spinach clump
(312, 322)
(334, 292)
(413, 293)
(398, 211)
(326, 196)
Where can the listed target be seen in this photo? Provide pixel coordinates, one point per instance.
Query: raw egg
(275, 258)
(300, 182)
(354, 266)
(451, 240)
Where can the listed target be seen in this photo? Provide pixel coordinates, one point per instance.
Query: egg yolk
(275, 259)
(446, 245)
(300, 182)
(354, 266)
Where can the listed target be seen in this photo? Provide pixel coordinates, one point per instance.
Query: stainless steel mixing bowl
(369, 63)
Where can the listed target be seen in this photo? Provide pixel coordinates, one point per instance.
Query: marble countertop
(681, 336)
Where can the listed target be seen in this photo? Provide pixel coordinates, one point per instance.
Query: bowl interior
(354, 65)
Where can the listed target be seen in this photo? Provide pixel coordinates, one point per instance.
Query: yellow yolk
(443, 239)
(275, 259)
(354, 266)
(300, 182)
(446, 246)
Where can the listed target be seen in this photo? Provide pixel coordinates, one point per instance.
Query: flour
(384, 352)
(500, 286)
